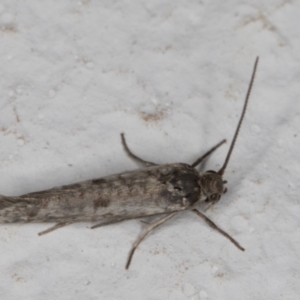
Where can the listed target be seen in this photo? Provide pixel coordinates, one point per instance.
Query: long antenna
(222, 170)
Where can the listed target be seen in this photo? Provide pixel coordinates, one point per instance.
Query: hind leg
(133, 156)
(54, 227)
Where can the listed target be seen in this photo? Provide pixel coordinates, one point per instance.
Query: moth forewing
(152, 191)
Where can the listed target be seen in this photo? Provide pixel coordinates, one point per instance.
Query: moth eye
(214, 197)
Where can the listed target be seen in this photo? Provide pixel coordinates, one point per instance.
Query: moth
(152, 191)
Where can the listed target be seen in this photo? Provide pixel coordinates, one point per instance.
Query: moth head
(212, 186)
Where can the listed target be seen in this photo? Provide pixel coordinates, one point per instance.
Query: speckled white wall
(172, 75)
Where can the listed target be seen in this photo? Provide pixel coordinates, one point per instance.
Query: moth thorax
(211, 183)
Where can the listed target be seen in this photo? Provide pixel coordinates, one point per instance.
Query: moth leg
(149, 228)
(214, 226)
(108, 223)
(209, 152)
(145, 222)
(121, 220)
(133, 156)
(54, 227)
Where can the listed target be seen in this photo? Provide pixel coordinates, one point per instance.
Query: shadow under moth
(155, 190)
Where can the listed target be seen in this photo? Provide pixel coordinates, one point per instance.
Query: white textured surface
(172, 75)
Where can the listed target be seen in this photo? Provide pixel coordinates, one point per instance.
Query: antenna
(222, 170)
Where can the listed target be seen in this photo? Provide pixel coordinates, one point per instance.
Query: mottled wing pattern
(145, 192)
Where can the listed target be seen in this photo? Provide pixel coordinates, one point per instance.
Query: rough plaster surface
(172, 75)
